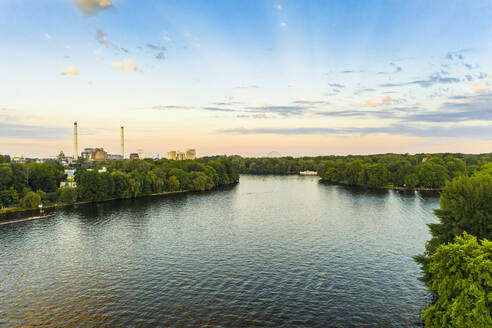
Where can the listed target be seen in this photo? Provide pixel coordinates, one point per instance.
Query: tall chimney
(75, 142)
(122, 145)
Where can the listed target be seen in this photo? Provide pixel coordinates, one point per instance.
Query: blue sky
(246, 77)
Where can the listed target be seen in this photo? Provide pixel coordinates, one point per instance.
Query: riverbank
(383, 187)
(22, 214)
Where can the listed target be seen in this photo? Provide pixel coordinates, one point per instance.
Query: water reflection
(271, 251)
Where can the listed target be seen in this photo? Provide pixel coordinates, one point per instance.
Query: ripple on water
(272, 251)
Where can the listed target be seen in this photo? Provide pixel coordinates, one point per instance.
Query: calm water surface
(271, 251)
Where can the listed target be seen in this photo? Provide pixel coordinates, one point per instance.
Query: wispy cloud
(20, 131)
(283, 24)
(435, 78)
(158, 51)
(91, 7)
(47, 36)
(126, 66)
(471, 132)
(103, 39)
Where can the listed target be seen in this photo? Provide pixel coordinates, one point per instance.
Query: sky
(246, 77)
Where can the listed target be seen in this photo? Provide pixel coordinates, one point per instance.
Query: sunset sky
(246, 77)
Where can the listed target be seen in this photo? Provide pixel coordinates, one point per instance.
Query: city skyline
(246, 78)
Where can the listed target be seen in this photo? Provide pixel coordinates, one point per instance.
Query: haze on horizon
(246, 77)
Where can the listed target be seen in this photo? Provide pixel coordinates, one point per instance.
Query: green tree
(432, 175)
(172, 183)
(377, 175)
(462, 281)
(31, 200)
(68, 195)
(8, 197)
(91, 186)
(352, 172)
(465, 205)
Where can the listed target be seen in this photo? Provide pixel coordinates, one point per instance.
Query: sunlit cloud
(371, 102)
(91, 7)
(47, 36)
(479, 88)
(386, 100)
(283, 24)
(126, 66)
(278, 6)
(167, 38)
(72, 70)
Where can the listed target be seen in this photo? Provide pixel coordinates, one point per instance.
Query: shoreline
(50, 209)
(381, 188)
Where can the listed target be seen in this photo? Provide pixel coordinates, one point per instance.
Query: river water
(271, 251)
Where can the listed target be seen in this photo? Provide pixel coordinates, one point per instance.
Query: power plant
(99, 154)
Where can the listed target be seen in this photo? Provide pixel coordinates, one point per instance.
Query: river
(271, 251)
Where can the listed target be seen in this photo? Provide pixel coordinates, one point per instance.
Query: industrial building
(176, 155)
(134, 156)
(93, 154)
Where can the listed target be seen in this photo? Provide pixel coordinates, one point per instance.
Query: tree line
(26, 185)
(457, 261)
(383, 170)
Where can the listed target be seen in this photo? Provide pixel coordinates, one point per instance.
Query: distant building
(180, 156)
(176, 155)
(190, 153)
(70, 182)
(134, 156)
(308, 172)
(94, 154)
(114, 156)
(171, 155)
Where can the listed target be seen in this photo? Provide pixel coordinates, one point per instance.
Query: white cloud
(91, 7)
(126, 66)
(47, 36)
(167, 38)
(278, 6)
(479, 88)
(283, 24)
(72, 70)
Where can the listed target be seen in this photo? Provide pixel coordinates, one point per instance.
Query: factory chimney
(75, 142)
(122, 143)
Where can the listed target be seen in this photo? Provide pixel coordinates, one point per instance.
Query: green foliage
(91, 186)
(68, 195)
(8, 197)
(432, 175)
(462, 280)
(465, 205)
(31, 200)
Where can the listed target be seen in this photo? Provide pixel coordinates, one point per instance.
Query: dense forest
(385, 170)
(26, 185)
